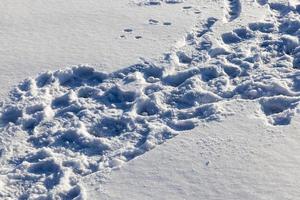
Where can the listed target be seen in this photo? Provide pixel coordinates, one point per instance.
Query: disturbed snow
(63, 125)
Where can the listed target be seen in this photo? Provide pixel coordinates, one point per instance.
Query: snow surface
(65, 132)
(240, 157)
(40, 35)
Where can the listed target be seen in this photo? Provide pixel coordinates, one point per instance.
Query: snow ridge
(63, 125)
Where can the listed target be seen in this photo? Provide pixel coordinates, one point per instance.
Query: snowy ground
(41, 35)
(240, 157)
(222, 76)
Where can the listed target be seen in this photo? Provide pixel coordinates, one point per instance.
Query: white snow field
(41, 35)
(229, 89)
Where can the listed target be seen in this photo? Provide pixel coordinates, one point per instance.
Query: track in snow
(63, 125)
(232, 9)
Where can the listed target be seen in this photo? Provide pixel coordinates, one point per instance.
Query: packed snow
(65, 125)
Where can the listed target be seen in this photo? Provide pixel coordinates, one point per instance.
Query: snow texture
(66, 124)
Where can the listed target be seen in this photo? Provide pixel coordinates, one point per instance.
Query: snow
(40, 35)
(240, 157)
(83, 133)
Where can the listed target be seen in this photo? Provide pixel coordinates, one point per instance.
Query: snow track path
(63, 125)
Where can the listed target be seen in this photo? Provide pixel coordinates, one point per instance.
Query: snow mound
(66, 124)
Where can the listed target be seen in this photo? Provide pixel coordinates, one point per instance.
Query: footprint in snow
(128, 30)
(167, 23)
(153, 21)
